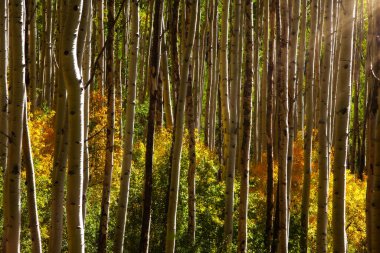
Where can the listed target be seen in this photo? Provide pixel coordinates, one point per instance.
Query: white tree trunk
(16, 110)
(342, 110)
(178, 132)
(75, 98)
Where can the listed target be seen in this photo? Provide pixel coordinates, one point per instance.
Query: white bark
(75, 98)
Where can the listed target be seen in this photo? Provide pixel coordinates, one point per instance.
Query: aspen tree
(282, 82)
(110, 131)
(264, 82)
(293, 43)
(190, 107)
(15, 120)
(246, 124)
(100, 43)
(301, 67)
(178, 131)
(323, 156)
(86, 69)
(3, 86)
(375, 198)
(215, 77)
(75, 98)
(342, 111)
(152, 84)
(232, 128)
(223, 86)
(166, 84)
(60, 151)
(34, 224)
(309, 88)
(128, 130)
(32, 55)
(48, 86)
(372, 107)
(208, 127)
(269, 132)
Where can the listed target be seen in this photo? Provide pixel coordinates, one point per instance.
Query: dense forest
(190, 126)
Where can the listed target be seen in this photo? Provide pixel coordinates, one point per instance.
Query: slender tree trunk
(223, 86)
(293, 43)
(15, 120)
(152, 84)
(104, 215)
(60, 152)
(3, 85)
(371, 111)
(323, 156)
(346, 24)
(166, 85)
(264, 81)
(375, 198)
(282, 80)
(232, 128)
(301, 67)
(246, 124)
(192, 159)
(129, 127)
(178, 132)
(100, 42)
(32, 54)
(75, 98)
(86, 70)
(309, 88)
(269, 133)
(34, 224)
(48, 55)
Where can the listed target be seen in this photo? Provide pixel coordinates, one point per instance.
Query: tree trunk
(323, 156)
(129, 128)
(346, 22)
(375, 198)
(309, 88)
(107, 181)
(223, 86)
(301, 67)
(232, 127)
(34, 224)
(293, 43)
(15, 120)
(269, 133)
(100, 43)
(75, 98)
(152, 84)
(246, 136)
(282, 82)
(178, 131)
(3, 85)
